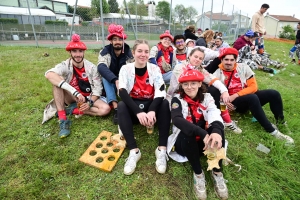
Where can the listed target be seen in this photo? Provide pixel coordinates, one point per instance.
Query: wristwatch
(91, 103)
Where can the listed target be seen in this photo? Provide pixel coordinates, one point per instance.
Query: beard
(118, 47)
(74, 59)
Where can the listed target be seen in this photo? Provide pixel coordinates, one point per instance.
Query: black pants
(254, 103)
(213, 66)
(126, 119)
(193, 150)
(215, 93)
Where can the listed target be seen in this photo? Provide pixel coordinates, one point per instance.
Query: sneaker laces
(162, 158)
(131, 160)
(200, 183)
(64, 124)
(220, 182)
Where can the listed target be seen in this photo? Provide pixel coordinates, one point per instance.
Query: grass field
(36, 164)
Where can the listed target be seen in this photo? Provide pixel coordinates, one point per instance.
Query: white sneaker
(233, 127)
(281, 136)
(161, 160)
(220, 185)
(199, 186)
(131, 162)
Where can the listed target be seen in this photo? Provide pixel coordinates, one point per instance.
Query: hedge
(56, 22)
(9, 21)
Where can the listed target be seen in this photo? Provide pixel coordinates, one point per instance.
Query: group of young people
(159, 85)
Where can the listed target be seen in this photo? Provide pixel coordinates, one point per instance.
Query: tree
(84, 13)
(180, 13)
(113, 6)
(163, 10)
(223, 27)
(137, 7)
(95, 7)
(191, 12)
(288, 33)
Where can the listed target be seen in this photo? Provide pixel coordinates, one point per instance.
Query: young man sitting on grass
(76, 82)
(244, 93)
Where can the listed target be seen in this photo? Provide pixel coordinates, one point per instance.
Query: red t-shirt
(181, 57)
(235, 83)
(82, 76)
(141, 88)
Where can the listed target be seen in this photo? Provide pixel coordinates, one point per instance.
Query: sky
(277, 7)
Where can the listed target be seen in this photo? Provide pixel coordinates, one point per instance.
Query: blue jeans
(167, 77)
(293, 49)
(110, 90)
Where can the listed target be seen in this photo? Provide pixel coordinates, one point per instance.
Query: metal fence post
(31, 21)
(71, 31)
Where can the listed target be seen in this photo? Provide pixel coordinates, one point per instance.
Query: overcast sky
(277, 7)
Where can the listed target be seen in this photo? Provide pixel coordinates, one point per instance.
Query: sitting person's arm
(251, 87)
(153, 54)
(103, 68)
(129, 101)
(185, 126)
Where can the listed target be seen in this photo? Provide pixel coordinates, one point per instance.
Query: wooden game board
(104, 152)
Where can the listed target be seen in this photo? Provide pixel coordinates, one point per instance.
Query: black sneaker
(115, 116)
(269, 70)
(293, 61)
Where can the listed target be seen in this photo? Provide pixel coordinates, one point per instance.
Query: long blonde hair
(208, 36)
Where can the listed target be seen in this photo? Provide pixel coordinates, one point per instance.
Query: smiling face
(77, 55)
(191, 88)
(179, 44)
(218, 42)
(141, 54)
(228, 62)
(196, 58)
(117, 43)
(166, 42)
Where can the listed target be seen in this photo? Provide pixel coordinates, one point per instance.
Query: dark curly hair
(200, 93)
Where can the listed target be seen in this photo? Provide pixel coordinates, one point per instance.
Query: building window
(60, 7)
(32, 3)
(9, 3)
(45, 3)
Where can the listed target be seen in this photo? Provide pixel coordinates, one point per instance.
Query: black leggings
(193, 150)
(126, 119)
(254, 103)
(215, 93)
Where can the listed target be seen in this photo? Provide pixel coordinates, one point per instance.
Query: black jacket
(111, 73)
(189, 35)
(297, 37)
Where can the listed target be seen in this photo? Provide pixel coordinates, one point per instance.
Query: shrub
(9, 21)
(84, 23)
(288, 33)
(56, 22)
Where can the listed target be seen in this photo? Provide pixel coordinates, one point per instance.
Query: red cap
(75, 43)
(166, 34)
(116, 30)
(191, 75)
(227, 51)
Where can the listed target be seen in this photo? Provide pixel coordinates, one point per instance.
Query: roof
(285, 18)
(125, 16)
(24, 11)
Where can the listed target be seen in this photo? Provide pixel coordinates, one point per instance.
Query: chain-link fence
(51, 24)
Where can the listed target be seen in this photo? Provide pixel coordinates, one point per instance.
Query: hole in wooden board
(111, 158)
(99, 145)
(104, 150)
(93, 152)
(99, 159)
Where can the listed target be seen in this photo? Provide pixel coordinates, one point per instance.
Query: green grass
(36, 164)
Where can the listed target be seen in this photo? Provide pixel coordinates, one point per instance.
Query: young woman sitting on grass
(216, 88)
(191, 110)
(142, 90)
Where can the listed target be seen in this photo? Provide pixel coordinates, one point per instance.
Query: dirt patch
(280, 40)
